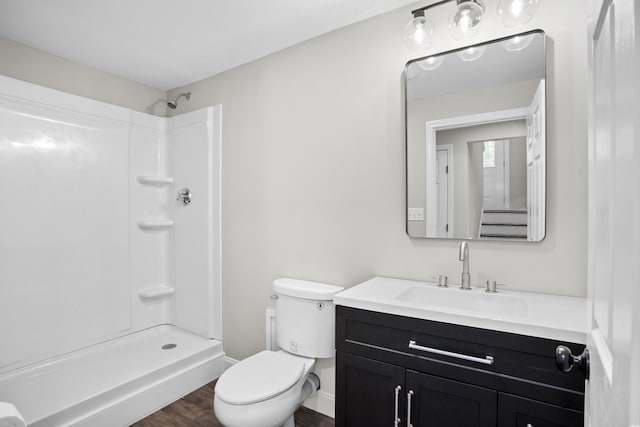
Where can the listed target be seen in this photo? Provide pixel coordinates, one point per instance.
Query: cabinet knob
(565, 360)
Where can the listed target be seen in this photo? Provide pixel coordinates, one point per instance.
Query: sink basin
(493, 304)
(525, 313)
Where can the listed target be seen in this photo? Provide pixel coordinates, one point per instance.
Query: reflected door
(536, 183)
(443, 188)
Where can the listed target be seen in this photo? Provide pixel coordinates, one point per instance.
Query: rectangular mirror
(475, 127)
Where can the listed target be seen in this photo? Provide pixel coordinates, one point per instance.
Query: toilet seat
(259, 377)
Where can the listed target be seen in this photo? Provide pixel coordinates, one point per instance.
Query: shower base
(114, 383)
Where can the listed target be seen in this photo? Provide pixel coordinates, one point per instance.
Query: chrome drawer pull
(487, 360)
(397, 421)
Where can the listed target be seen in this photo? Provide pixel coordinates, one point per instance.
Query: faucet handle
(492, 286)
(443, 281)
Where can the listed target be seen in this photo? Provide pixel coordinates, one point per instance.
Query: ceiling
(169, 43)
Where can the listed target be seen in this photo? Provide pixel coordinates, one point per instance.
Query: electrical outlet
(415, 214)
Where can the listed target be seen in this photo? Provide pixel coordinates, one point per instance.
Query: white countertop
(540, 315)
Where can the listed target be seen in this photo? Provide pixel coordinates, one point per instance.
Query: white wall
(81, 262)
(72, 255)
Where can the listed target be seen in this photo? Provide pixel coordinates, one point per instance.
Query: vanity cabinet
(398, 371)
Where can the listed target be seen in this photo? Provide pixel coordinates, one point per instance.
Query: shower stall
(109, 257)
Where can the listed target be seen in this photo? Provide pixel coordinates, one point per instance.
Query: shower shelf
(155, 292)
(158, 181)
(155, 224)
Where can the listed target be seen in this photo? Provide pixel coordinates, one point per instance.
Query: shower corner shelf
(155, 224)
(157, 181)
(155, 292)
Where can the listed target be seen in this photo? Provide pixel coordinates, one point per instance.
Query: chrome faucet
(464, 257)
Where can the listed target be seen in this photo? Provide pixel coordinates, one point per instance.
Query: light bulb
(465, 22)
(466, 19)
(516, 12)
(516, 8)
(471, 53)
(418, 33)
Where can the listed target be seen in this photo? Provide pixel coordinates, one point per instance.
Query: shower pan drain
(169, 346)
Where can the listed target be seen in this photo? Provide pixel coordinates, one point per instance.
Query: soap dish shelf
(157, 181)
(155, 292)
(155, 224)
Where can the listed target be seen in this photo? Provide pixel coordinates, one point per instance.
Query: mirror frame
(474, 119)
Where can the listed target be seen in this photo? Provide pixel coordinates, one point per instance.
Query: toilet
(264, 390)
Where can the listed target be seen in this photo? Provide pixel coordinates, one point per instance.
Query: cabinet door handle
(487, 360)
(396, 421)
(409, 395)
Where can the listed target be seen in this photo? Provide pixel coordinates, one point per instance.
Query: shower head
(174, 104)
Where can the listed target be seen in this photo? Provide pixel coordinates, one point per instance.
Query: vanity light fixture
(465, 20)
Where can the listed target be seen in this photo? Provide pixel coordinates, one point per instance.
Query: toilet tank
(305, 317)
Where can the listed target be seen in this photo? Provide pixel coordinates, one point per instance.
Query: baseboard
(229, 362)
(322, 402)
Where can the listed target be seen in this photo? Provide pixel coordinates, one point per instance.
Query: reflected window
(489, 154)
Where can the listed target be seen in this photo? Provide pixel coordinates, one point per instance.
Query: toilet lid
(259, 377)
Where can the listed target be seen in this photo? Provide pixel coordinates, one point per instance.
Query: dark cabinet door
(366, 392)
(439, 402)
(515, 411)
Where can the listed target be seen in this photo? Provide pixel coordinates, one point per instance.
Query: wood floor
(196, 409)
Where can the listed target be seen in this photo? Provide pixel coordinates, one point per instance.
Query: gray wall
(314, 169)
(313, 175)
(35, 66)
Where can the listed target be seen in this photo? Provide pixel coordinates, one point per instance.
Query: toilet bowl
(264, 390)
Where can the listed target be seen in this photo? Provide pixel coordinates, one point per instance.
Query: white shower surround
(96, 255)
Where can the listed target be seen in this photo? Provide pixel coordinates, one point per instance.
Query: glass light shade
(518, 43)
(471, 53)
(431, 63)
(516, 12)
(466, 19)
(418, 34)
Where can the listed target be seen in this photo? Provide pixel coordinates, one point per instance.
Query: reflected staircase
(508, 224)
